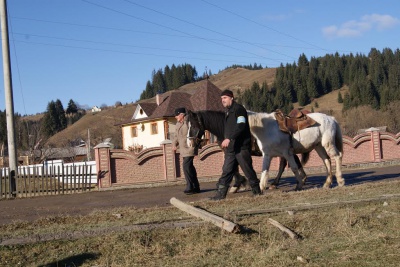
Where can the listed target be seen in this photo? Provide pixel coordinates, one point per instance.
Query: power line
(163, 34)
(128, 45)
(202, 27)
(172, 29)
(262, 25)
(132, 53)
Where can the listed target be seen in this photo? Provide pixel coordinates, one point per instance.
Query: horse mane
(211, 121)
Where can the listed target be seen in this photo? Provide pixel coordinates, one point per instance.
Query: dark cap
(227, 93)
(179, 111)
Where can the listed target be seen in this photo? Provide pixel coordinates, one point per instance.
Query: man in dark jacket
(237, 147)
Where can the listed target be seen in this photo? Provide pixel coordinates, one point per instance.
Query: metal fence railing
(54, 179)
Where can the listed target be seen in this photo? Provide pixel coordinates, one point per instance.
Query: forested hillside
(373, 80)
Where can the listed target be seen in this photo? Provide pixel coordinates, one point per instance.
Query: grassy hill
(236, 79)
(328, 104)
(96, 126)
(103, 124)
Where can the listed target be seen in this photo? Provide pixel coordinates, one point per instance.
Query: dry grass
(236, 79)
(365, 233)
(101, 126)
(328, 104)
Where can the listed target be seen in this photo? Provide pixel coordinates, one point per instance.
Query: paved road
(28, 209)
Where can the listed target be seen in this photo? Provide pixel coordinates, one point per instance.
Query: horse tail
(339, 138)
(304, 158)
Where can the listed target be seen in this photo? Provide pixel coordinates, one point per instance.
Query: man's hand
(225, 143)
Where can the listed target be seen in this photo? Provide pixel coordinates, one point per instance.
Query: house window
(154, 128)
(134, 131)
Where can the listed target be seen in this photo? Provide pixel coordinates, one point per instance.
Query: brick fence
(117, 167)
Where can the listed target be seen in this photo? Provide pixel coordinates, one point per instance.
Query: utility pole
(89, 157)
(12, 147)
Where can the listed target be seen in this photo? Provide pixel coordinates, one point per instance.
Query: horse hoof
(341, 184)
(327, 186)
(242, 189)
(272, 186)
(233, 189)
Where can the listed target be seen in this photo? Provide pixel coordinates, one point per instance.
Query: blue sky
(98, 52)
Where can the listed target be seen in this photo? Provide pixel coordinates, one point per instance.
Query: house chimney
(158, 97)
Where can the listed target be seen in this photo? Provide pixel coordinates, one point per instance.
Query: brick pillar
(376, 144)
(169, 161)
(102, 155)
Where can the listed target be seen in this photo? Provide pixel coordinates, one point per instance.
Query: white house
(153, 123)
(95, 109)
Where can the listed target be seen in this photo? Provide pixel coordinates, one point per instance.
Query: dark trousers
(190, 174)
(243, 158)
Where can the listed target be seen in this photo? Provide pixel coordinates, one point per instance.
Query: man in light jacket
(187, 152)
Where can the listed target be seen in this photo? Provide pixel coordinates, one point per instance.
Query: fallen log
(206, 216)
(292, 234)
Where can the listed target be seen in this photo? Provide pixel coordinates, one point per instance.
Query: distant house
(71, 154)
(95, 109)
(152, 123)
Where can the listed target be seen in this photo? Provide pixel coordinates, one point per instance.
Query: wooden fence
(31, 181)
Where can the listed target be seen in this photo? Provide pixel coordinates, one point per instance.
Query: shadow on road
(354, 178)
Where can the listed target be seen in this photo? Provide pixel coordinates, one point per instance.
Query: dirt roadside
(30, 209)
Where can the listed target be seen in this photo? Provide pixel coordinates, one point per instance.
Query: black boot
(221, 193)
(256, 190)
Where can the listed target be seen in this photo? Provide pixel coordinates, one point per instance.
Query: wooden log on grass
(206, 216)
(292, 234)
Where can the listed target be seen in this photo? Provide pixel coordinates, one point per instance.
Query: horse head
(196, 129)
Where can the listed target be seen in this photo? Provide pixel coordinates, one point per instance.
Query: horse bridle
(197, 137)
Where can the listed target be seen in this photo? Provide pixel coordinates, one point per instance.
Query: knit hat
(179, 111)
(227, 93)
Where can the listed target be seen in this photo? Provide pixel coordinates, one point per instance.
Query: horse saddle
(295, 121)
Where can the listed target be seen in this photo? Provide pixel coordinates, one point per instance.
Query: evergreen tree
(50, 120)
(168, 78)
(385, 96)
(346, 102)
(340, 98)
(71, 108)
(376, 68)
(178, 77)
(394, 82)
(303, 61)
(158, 83)
(54, 119)
(302, 97)
(62, 120)
(148, 92)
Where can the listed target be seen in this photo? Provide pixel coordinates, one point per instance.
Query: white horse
(325, 137)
